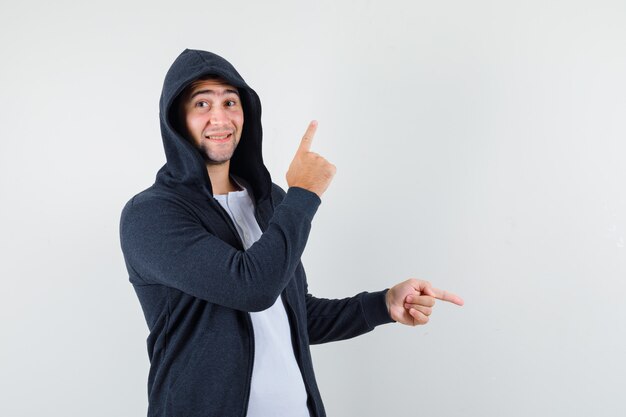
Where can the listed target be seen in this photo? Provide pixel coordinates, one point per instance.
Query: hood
(185, 170)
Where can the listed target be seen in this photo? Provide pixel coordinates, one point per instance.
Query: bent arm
(165, 244)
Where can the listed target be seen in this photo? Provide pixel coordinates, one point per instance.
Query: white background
(479, 145)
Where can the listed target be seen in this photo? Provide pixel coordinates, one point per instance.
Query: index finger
(446, 296)
(307, 139)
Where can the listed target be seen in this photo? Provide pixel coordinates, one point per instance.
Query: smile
(219, 138)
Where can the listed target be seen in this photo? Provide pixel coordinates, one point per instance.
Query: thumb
(427, 290)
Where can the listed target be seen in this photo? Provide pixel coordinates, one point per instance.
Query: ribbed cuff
(303, 200)
(375, 308)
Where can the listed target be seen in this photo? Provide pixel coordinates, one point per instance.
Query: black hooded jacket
(196, 283)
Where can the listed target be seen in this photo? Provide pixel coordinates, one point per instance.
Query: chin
(217, 159)
(211, 155)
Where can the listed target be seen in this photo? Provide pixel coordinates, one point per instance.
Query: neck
(220, 178)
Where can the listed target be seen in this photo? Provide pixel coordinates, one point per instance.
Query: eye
(231, 103)
(201, 104)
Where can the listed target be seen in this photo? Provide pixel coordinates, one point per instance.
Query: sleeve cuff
(375, 308)
(302, 200)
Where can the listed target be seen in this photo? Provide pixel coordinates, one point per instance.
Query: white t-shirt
(277, 388)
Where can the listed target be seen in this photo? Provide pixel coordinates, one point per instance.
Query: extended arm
(410, 302)
(332, 320)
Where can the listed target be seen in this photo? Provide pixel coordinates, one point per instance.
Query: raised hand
(411, 302)
(309, 170)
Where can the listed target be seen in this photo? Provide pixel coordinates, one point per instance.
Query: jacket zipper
(295, 341)
(263, 226)
(246, 396)
(231, 225)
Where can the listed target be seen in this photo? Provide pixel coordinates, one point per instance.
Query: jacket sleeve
(165, 244)
(332, 320)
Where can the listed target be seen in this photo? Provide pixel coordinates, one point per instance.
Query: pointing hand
(309, 170)
(411, 302)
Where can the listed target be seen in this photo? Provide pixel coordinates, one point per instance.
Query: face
(214, 119)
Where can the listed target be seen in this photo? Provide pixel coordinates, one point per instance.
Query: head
(187, 165)
(210, 114)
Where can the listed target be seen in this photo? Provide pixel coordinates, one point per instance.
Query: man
(213, 251)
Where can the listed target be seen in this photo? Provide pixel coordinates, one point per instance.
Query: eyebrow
(208, 91)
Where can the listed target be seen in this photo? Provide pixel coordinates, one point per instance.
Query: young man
(213, 251)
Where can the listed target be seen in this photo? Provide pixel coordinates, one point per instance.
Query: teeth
(218, 137)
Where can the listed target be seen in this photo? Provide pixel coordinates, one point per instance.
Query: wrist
(375, 308)
(388, 302)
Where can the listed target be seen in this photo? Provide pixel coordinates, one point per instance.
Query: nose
(217, 116)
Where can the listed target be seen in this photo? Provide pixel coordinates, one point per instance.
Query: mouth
(219, 137)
